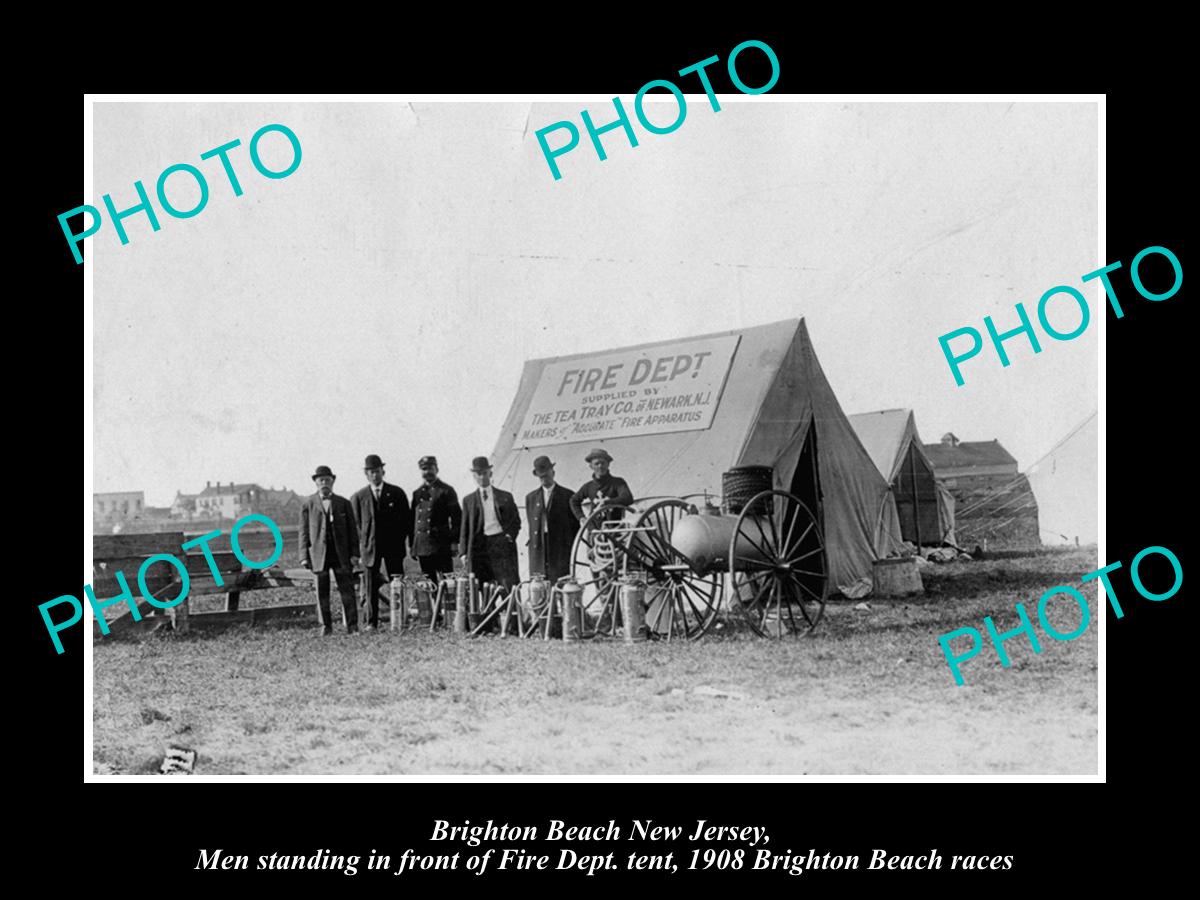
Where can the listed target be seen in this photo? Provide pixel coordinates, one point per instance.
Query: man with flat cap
(552, 525)
(603, 488)
(490, 525)
(329, 543)
(437, 520)
(384, 521)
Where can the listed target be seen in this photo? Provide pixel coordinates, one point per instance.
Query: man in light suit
(552, 525)
(490, 525)
(384, 522)
(329, 542)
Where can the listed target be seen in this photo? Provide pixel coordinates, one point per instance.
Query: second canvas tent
(923, 506)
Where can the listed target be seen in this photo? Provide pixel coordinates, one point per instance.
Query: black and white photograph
(532, 437)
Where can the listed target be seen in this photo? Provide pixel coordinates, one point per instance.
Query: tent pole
(912, 468)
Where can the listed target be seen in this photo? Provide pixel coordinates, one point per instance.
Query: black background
(1052, 830)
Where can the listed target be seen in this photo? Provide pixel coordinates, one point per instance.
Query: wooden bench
(126, 553)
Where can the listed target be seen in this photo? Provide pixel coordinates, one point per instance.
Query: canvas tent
(1064, 483)
(924, 507)
(675, 415)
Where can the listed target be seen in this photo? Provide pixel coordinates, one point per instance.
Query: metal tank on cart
(760, 551)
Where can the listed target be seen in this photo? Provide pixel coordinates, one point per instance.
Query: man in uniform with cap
(602, 488)
(438, 518)
(490, 525)
(552, 525)
(329, 542)
(384, 521)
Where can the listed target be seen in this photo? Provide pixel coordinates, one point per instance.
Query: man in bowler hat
(552, 526)
(490, 526)
(437, 520)
(384, 522)
(329, 543)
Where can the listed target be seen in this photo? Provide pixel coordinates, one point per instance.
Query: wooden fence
(126, 553)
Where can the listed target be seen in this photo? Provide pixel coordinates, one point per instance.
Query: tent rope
(993, 494)
(1001, 490)
(997, 509)
(1070, 434)
(995, 526)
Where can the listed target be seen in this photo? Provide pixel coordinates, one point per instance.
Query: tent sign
(623, 393)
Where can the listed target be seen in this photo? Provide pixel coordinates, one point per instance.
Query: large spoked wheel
(597, 562)
(679, 603)
(778, 565)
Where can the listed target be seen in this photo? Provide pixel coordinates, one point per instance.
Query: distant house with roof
(953, 459)
(994, 504)
(122, 511)
(282, 506)
(117, 508)
(233, 500)
(216, 501)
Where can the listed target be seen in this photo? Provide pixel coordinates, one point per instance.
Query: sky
(383, 297)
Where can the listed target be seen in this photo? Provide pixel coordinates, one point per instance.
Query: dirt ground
(868, 693)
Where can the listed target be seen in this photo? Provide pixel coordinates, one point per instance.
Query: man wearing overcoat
(329, 543)
(437, 521)
(384, 521)
(552, 525)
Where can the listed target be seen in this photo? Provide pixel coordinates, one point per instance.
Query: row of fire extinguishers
(534, 605)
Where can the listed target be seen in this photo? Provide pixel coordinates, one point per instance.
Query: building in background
(282, 506)
(118, 507)
(994, 506)
(233, 500)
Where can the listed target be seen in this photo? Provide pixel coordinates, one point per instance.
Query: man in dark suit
(490, 526)
(552, 525)
(329, 543)
(384, 521)
(437, 521)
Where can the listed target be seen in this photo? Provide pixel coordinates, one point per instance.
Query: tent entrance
(806, 480)
(916, 496)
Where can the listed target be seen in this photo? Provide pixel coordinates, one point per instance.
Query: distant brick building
(994, 503)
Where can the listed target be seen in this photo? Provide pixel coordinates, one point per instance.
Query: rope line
(1070, 435)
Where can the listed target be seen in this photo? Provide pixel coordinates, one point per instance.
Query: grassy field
(868, 693)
